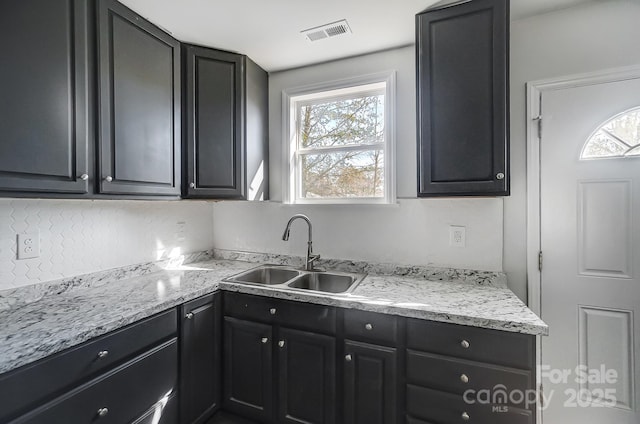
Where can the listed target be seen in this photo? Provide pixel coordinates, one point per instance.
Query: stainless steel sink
(269, 275)
(323, 282)
(290, 278)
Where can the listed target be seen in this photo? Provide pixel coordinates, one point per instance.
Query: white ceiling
(268, 31)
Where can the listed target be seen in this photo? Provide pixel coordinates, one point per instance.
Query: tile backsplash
(81, 236)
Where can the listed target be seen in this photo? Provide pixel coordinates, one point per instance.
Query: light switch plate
(29, 245)
(457, 236)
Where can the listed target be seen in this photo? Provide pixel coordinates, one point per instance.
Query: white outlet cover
(29, 245)
(457, 236)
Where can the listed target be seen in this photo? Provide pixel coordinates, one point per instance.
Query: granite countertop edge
(139, 299)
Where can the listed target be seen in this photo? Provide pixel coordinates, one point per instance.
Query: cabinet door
(139, 104)
(45, 86)
(214, 124)
(370, 384)
(462, 81)
(306, 363)
(200, 358)
(248, 373)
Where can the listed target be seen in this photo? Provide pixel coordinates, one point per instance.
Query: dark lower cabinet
(457, 374)
(201, 359)
(280, 367)
(248, 377)
(225, 126)
(138, 106)
(46, 86)
(463, 99)
(306, 377)
(370, 384)
(123, 395)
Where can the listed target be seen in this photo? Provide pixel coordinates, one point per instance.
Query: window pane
(342, 174)
(619, 137)
(342, 122)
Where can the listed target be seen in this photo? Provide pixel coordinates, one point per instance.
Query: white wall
(81, 236)
(415, 232)
(412, 232)
(593, 37)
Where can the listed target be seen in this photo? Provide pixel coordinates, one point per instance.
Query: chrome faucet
(310, 258)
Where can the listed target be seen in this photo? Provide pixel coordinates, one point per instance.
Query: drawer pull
(368, 326)
(102, 412)
(464, 378)
(103, 354)
(465, 344)
(465, 416)
(189, 315)
(272, 311)
(281, 343)
(264, 340)
(348, 358)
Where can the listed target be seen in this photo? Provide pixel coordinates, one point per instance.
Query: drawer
(305, 316)
(431, 406)
(34, 384)
(254, 308)
(458, 375)
(477, 344)
(371, 327)
(124, 394)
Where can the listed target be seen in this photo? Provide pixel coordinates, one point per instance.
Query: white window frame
(293, 98)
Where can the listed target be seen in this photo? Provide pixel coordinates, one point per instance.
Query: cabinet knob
(464, 378)
(192, 185)
(84, 177)
(103, 412)
(264, 340)
(281, 343)
(272, 311)
(465, 416)
(348, 358)
(108, 178)
(103, 354)
(368, 326)
(465, 344)
(500, 176)
(189, 315)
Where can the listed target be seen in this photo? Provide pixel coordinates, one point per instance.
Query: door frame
(534, 113)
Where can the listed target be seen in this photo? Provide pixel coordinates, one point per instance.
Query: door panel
(46, 95)
(200, 358)
(248, 373)
(139, 67)
(214, 120)
(306, 377)
(371, 384)
(591, 245)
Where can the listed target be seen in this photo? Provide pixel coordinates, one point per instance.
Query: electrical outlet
(29, 245)
(457, 236)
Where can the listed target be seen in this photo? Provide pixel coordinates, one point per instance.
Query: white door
(590, 239)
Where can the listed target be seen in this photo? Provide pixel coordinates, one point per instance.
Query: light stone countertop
(55, 322)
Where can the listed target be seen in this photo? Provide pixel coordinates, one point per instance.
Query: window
(339, 144)
(617, 138)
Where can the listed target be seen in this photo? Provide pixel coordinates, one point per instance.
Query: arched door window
(619, 137)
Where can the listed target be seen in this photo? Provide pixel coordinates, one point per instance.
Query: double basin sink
(291, 278)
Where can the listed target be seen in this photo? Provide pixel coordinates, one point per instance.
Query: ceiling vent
(333, 29)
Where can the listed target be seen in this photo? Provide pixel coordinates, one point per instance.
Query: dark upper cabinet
(306, 380)
(462, 99)
(225, 126)
(46, 90)
(370, 384)
(200, 356)
(139, 104)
